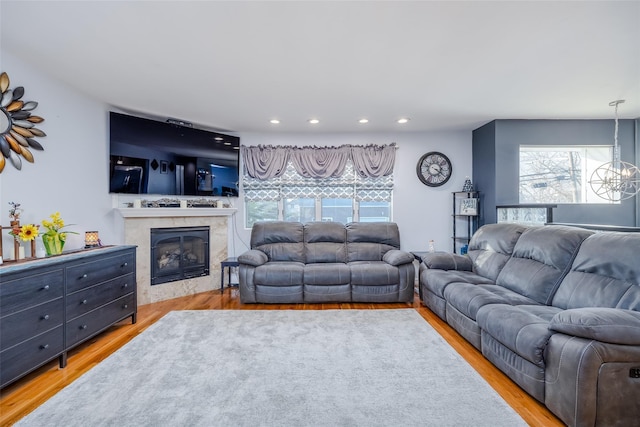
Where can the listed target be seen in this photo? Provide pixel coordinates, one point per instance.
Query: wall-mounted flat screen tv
(167, 158)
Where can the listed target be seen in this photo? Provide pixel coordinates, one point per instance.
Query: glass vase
(52, 244)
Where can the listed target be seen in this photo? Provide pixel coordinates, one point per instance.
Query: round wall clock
(434, 169)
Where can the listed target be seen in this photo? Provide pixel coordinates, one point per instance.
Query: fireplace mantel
(138, 223)
(174, 212)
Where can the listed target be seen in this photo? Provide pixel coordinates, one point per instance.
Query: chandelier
(616, 180)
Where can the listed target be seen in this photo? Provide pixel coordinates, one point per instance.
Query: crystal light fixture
(616, 180)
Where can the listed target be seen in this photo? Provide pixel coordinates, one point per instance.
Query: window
(261, 211)
(301, 210)
(305, 184)
(321, 209)
(375, 211)
(560, 174)
(293, 198)
(340, 210)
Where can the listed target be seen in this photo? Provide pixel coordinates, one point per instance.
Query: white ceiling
(235, 65)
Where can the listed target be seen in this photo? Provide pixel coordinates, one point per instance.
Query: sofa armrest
(397, 257)
(253, 257)
(447, 261)
(609, 325)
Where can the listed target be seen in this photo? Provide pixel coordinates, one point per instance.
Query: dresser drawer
(83, 301)
(21, 359)
(95, 321)
(30, 290)
(93, 272)
(26, 324)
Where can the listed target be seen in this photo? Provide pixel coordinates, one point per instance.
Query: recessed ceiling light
(403, 120)
(363, 121)
(274, 121)
(236, 148)
(218, 138)
(314, 121)
(227, 143)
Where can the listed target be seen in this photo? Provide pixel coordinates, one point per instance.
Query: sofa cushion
(491, 246)
(280, 294)
(541, 257)
(604, 273)
(467, 298)
(369, 241)
(327, 274)
(603, 324)
(447, 261)
(437, 280)
(373, 273)
(279, 274)
(522, 329)
(279, 240)
(397, 257)
(324, 293)
(325, 242)
(253, 257)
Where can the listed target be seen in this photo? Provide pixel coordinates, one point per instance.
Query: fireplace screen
(179, 253)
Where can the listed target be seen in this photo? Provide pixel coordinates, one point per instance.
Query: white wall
(71, 175)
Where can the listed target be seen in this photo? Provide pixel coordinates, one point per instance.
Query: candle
(21, 252)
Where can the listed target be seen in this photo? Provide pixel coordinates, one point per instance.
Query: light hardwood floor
(26, 394)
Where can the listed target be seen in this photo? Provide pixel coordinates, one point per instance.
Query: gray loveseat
(556, 308)
(291, 262)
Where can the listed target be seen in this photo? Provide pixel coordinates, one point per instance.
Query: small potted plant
(14, 214)
(54, 238)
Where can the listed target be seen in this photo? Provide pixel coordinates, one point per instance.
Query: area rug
(281, 368)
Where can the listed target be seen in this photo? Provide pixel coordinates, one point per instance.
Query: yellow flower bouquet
(54, 238)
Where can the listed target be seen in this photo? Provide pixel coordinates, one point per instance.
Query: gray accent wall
(496, 164)
(484, 170)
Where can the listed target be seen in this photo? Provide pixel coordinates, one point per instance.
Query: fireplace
(179, 253)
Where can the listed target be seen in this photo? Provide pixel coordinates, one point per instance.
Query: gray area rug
(281, 368)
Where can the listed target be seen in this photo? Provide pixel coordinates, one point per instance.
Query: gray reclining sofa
(555, 308)
(291, 262)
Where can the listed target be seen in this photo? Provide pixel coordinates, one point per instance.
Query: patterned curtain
(325, 172)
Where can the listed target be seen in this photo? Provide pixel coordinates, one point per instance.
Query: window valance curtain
(268, 162)
(364, 173)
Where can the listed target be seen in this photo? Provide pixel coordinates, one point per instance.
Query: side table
(229, 262)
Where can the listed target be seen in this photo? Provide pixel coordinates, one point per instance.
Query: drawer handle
(83, 327)
(126, 285)
(125, 306)
(84, 276)
(45, 287)
(84, 301)
(125, 264)
(45, 317)
(44, 347)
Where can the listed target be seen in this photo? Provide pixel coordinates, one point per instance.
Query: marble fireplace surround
(137, 231)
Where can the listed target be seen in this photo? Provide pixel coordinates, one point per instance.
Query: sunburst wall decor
(17, 126)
